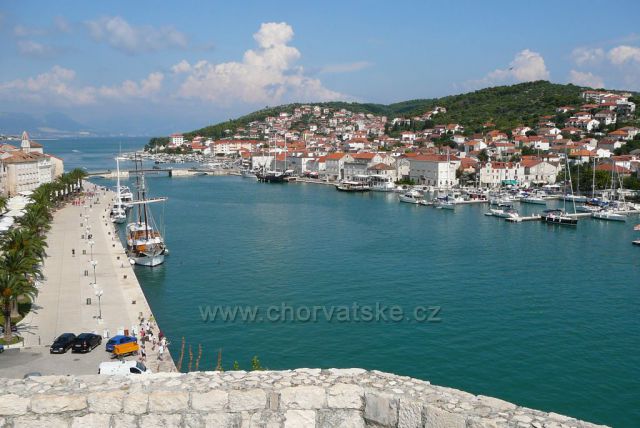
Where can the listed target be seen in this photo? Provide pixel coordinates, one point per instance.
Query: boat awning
(510, 182)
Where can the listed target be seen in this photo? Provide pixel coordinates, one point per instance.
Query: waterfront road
(67, 300)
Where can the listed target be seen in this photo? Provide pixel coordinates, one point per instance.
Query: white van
(123, 368)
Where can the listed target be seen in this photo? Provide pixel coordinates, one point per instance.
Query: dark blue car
(118, 340)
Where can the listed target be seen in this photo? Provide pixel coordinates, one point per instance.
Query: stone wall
(294, 398)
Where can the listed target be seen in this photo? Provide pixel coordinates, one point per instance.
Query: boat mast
(135, 160)
(144, 205)
(593, 184)
(118, 199)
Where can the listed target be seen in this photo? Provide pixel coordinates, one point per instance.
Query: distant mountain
(47, 125)
(505, 106)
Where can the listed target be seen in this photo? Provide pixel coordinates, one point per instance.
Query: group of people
(145, 333)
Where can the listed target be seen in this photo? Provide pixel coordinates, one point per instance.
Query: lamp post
(99, 295)
(91, 244)
(94, 263)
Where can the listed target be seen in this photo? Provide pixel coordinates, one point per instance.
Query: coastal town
(341, 145)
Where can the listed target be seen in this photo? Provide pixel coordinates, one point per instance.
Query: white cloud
(61, 24)
(526, 66)
(130, 89)
(181, 67)
(265, 75)
(24, 31)
(35, 49)
(584, 56)
(346, 68)
(121, 35)
(58, 87)
(581, 78)
(624, 54)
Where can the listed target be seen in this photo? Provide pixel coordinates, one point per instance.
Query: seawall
(282, 399)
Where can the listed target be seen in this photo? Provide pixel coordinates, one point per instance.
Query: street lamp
(94, 263)
(91, 244)
(99, 295)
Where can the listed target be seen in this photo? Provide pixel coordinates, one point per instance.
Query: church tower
(25, 146)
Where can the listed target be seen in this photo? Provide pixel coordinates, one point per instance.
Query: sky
(153, 68)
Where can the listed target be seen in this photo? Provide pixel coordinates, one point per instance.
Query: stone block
(336, 418)
(303, 397)
(300, 419)
(409, 413)
(222, 420)
(345, 396)
(136, 403)
(168, 401)
(435, 417)
(124, 421)
(106, 401)
(160, 421)
(381, 409)
(50, 403)
(496, 403)
(253, 399)
(12, 405)
(40, 421)
(91, 420)
(209, 401)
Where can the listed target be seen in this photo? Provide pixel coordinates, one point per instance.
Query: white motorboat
(352, 186)
(412, 197)
(504, 213)
(609, 215)
(532, 199)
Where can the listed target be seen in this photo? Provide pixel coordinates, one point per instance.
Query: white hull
(535, 201)
(604, 215)
(149, 261)
(118, 219)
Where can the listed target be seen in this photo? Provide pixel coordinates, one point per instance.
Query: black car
(85, 342)
(62, 343)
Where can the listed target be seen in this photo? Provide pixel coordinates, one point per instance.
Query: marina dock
(68, 299)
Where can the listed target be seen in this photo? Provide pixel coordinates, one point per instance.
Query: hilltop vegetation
(505, 106)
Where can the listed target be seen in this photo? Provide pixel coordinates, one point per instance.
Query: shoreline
(67, 299)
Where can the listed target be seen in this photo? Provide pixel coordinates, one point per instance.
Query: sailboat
(609, 212)
(560, 216)
(145, 244)
(265, 175)
(636, 228)
(118, 211)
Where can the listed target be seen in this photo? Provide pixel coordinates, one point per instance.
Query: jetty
(89, 286)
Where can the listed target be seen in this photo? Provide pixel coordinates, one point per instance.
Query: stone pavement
(67, 300)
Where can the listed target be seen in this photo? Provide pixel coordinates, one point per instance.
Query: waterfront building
(26, 168)
(434, 170)
(493, 174)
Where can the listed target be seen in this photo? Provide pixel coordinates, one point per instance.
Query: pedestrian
(73, 252)
(160, 352)
(143, 355)
(153, 344)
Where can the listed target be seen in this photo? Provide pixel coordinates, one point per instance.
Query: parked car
(118, 340)
(85, 342)
(62, 343)
(123, 368)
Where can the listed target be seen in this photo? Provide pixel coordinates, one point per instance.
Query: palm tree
(36, 219)
(24, 242)
(3, 204)
(77, 175)
(14, 285)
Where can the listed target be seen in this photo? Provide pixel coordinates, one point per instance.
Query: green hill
(506, 106)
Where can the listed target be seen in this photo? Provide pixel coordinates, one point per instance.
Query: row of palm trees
(23, 248)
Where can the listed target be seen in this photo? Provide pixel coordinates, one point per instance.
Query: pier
(89, 286)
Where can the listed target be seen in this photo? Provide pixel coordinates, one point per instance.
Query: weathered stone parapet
(292, 398)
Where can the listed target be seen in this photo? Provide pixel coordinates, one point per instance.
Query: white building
(493, 174)
(434, 170)
(177, 140)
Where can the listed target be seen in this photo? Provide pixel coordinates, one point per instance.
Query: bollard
(88, 300)
(125, 277)
(117, 258)
(133, 302)
(84, 252)
(86, 272)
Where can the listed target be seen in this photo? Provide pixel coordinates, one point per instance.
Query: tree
(483, 156)
(18, 272)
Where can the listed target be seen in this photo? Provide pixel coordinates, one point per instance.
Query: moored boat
(412, 197)
(558, 216)
(352, 186)
(608, 214)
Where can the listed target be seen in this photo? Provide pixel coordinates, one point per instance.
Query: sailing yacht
(145, 244)
(118, 212)
(610, 212)
(560, 216)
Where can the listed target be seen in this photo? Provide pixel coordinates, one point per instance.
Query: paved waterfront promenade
(62, 304)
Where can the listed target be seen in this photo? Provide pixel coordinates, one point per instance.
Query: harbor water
(543, 316)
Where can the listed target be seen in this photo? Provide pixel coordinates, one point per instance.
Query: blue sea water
(544, 316)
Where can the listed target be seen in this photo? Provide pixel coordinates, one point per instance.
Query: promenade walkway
(67, 300)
